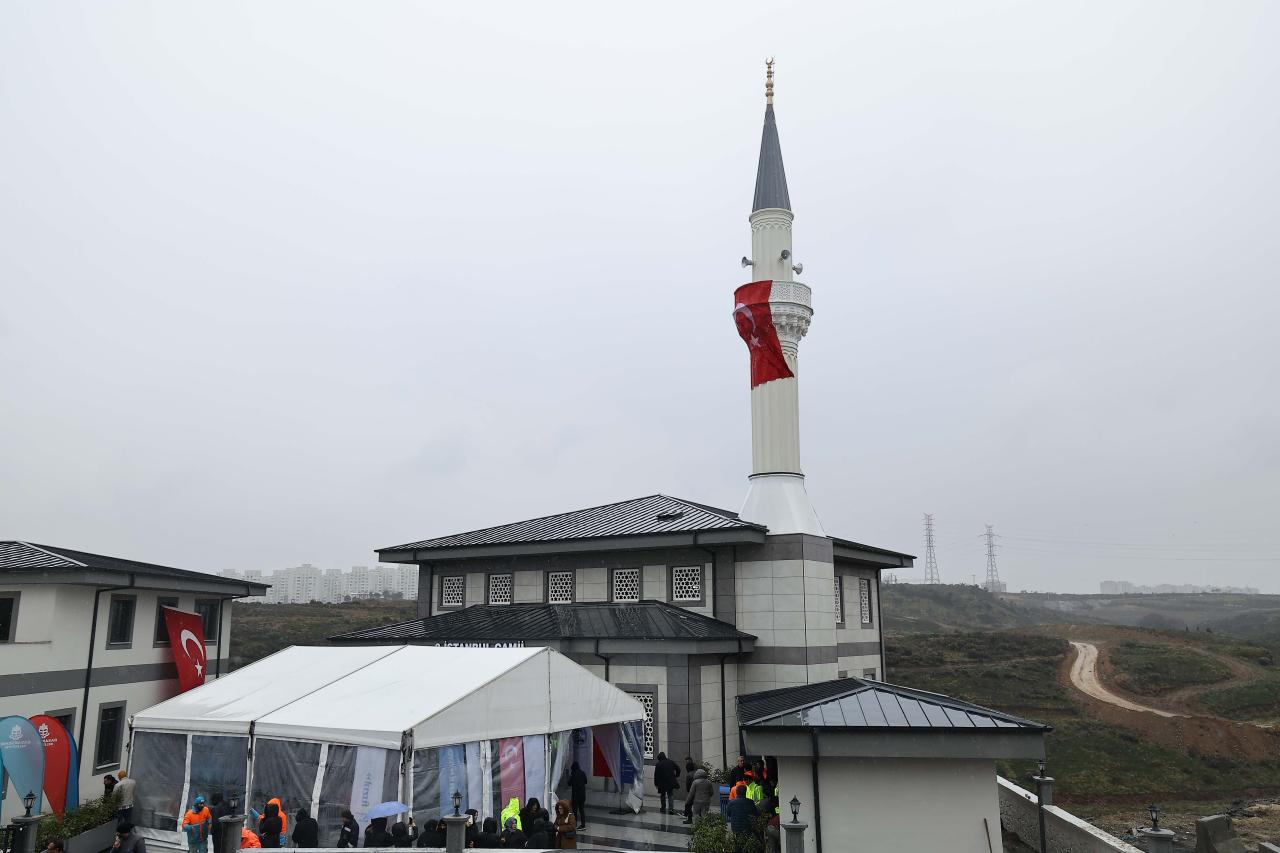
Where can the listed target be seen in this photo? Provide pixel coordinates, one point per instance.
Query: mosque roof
(771, 177)
(641, 620)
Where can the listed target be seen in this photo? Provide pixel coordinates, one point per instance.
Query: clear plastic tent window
(158, 764)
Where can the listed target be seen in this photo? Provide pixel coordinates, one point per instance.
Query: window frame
(701, 600)
(217, 618)
(872, 671)
(161, 636)
(839, 593)
(133, 620)
(68, 714)
(107, 766)
(488, 589)
(16, 598)
(651, 689)
(573, 585)
(613, 585)
(440, 605)
(869, 619)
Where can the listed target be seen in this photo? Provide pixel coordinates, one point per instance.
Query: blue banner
(628, 769)
(22, 755)
(453, 777)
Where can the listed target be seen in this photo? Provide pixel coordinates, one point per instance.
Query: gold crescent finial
(768, 81)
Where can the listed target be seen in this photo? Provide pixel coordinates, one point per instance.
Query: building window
(209, 612)
(870, 672)
(8, 617)
(686, 583)
(452, 591)
(161, 637)
(120, 620)
(647, 700)
(864, 600)
(626, 585)
(560, 588)
(839, 588)
(66, 716)
(110, 735)
(500, 589)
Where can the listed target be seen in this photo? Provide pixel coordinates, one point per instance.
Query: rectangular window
(209, 613)
(647, 700)
(839, 601)
(864, 600)
(120, 620)
(8, 617)
(686, 583)
(110, 735)
(453, 591)
(161, 637)
(626, 585)
(560, 588)
(869, 673)
(66, 716)
(499, 589)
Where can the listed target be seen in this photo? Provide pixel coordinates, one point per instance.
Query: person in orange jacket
(197, 823)
(248, 839)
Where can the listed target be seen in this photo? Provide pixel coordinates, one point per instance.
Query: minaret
(776, 496)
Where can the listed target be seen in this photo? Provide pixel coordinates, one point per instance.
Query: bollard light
(1154, 812)
(457, 803)
(234, 803)
(795, 809)
(1041, 763)
(29, 801)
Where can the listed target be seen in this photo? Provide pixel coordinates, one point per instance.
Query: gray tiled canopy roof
(647, 515)
(20, 556)
(856, 703)
(771, 177)
(644, 620)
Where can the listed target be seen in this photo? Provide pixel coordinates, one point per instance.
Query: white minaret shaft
(777, 497)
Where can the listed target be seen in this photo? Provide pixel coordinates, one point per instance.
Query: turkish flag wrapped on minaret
(754, 318)
(186, 636)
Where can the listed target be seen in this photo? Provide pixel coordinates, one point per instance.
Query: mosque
(683, 605)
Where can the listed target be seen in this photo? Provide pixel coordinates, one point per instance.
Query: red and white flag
(754, 318)
(186, 636)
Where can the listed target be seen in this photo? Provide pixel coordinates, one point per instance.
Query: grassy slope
(1257, 700)
(953, 607)
(1155, 669)
(1017, 672)
(258, 630)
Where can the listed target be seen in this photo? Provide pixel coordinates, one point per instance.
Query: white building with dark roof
(82, 639)
(683, 605)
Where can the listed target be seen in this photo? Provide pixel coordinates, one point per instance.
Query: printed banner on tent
(22, 755)
(628, 769)
(476, 779)
(60, 783)
(606, 743)
(366, 783)
(186, 636)
(511, 768)
(453, 777)
(535, 769)
(582, 750)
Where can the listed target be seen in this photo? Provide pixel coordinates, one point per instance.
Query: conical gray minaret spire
(771, 177)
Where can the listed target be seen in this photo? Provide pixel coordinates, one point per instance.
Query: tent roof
(373, 695)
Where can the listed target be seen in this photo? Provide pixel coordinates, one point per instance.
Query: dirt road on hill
(1084, 677)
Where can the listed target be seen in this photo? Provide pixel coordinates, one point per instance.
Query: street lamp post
(30, 802)
(1158, 840)
(795, 829)
(455, 826)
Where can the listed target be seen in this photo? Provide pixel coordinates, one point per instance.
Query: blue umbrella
(388, 809)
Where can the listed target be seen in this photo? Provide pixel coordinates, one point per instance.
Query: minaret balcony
(791, 303)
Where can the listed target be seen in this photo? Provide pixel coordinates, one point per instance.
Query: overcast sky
(287, 282)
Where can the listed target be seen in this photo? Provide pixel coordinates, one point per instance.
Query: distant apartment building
(307, 583)
(1126, 588)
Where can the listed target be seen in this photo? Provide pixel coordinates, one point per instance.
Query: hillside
(258, 630)
(943, 608)
(1251, 617)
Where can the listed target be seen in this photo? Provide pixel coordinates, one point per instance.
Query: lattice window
(686, 583)
(499, 589)
(560, 587)
(839, 587)
(452, 591)
(626, 584)
(647, 700)
(864, 599)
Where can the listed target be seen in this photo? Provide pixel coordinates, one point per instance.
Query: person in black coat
(306, 832)
(270, 827)
(434, 835)
(666, 776)
(402, 834)
(578, 794)
(488, 838)
(689, 769)
(540, 838)
(376, 835)
(348, 830)
(512, 837)
(219, 808)
(532, 812)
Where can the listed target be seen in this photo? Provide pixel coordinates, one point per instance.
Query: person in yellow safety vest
(512, 810)
(197, 823)
(755, 792)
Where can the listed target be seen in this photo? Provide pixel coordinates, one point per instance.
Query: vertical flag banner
(366, 782)
(582, 750)
(453, 777)
(606, 764)
(59, 763)
(535, 768)
(186, 636)
(754, 319)
(22, 754)
(511, 768)
(475, 781)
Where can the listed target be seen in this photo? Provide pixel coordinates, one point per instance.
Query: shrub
(711, 835)
(80, 819)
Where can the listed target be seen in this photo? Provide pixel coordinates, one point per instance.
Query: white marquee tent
(329, 728)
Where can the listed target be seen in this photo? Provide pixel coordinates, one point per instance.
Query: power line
(930, 559)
